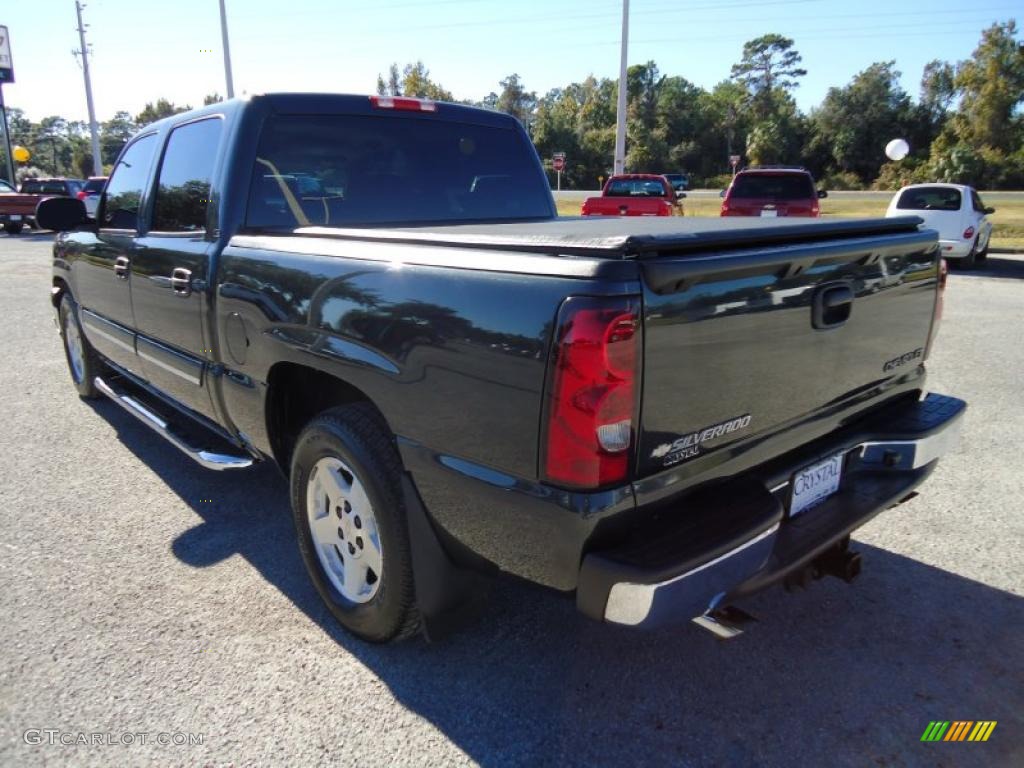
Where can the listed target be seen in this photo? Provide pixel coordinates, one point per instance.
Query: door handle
(121, 264)
(181, 281)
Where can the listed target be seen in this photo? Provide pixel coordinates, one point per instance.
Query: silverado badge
(688, 446)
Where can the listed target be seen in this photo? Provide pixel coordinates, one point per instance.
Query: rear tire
(970, 261)
(350, 520)
(83, 362)
(13, 229)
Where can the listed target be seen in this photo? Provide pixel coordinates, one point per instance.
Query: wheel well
(57, 292)
(295, 395)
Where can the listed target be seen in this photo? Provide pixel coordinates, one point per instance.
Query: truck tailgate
(743, 344)
(625, 206)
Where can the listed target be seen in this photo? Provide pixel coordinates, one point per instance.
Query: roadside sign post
(6, 76)
(734, 160)
(558, 163)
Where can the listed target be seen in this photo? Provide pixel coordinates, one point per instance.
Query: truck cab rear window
(349, 170)
(34, 187)
(635, 188)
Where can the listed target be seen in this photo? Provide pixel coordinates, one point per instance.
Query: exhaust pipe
(724, 623)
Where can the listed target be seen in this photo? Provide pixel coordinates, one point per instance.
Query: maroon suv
(772, 192)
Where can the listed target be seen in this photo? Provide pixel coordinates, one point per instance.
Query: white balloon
(897, 149)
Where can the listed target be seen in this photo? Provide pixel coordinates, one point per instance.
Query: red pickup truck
(17, 210)
(635, 194)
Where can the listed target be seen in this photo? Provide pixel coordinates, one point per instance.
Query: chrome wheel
(76, 354)
(344, 530)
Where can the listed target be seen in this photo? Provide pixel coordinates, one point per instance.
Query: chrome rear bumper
(878, 473)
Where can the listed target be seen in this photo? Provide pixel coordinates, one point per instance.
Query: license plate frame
(825, 477)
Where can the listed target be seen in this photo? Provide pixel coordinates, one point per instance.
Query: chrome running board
(207, 458)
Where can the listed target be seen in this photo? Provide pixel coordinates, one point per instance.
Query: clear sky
(144, 49)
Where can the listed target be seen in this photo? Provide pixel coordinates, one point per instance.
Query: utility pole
(227, 50)
(97, 160)
(620, 121)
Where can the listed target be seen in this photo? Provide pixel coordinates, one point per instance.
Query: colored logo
(958, 730)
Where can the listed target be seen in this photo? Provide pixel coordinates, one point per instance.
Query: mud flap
(448, 597)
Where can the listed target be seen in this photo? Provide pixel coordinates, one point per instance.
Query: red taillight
(81, 194)
(815, 209)
(593, 392)
(403, 103)
(940, 296)
(968, 233)
(725, 208)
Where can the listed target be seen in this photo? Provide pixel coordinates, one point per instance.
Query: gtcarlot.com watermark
(55, 737)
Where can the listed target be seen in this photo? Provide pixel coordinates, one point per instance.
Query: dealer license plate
(815, 484)
(769, 213)
(15, 217)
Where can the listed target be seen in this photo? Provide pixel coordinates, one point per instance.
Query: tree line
(965, 124)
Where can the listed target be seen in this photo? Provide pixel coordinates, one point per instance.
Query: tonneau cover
(624, 237)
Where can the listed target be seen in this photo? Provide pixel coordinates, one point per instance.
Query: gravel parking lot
(142, 595)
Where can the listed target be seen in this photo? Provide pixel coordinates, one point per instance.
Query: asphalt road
(140, 594)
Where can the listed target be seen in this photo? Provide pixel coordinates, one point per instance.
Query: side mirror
(722, 193)
(680, 195)
(989, 210)
(60, 213)
(822, 194)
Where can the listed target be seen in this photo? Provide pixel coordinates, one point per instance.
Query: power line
(829, 33)
(607, 15)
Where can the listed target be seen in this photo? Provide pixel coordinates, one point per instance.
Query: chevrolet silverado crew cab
(656, 416)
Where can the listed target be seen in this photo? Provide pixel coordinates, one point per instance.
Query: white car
(90, 194)
(955, 211)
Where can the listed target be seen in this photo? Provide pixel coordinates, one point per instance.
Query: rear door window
(345, 170)
(183, 190)
(120, 206)
(929, 199)
(36, 187)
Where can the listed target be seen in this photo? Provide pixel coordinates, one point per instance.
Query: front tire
(83, 362)
(350, 520)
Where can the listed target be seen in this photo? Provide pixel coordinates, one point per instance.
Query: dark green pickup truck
(655, 416)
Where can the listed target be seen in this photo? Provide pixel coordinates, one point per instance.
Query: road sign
(734, 160)
(558, 163)
(6, 62)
